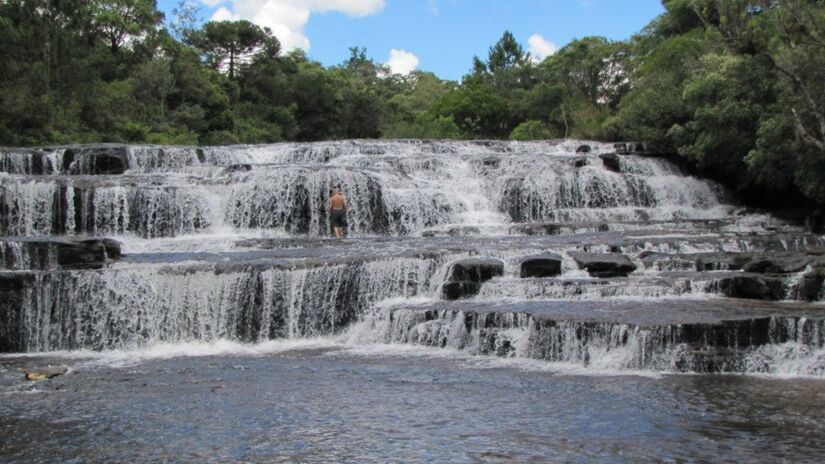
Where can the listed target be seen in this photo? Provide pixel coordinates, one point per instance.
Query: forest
(736, 87)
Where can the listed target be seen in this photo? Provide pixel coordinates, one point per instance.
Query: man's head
(336, 190)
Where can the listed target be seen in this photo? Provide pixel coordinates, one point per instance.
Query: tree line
(735, 86)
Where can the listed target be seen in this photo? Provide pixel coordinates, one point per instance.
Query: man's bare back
(338, 201)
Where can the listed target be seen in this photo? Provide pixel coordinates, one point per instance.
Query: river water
(232, 329)
(319, 401)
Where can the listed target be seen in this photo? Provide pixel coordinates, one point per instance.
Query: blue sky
(433, 35)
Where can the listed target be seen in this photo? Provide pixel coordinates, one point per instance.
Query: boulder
(721, 262)
(466, 276)
(463, 231)
(536, 229)
(86, 254)
(811, 285)
(543, 265)
(604, 264)
(579, 162)
(45, 374)
(753, 287)
(611, 162)
(104, 159)
(491, 162)
(583, 149)
(621, 148)
(61, 253)
(778, 264)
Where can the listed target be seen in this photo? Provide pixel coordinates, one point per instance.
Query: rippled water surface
(330, 402)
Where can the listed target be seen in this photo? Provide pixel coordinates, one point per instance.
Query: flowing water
(232, 328)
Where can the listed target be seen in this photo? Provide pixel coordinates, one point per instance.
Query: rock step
(57, 253)
(665, 284)
(683, 336)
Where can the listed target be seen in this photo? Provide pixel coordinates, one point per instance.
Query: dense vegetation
(736, 86)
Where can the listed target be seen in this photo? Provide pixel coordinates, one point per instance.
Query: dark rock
(13, 292)
(45, 374)
(86, 254)
(201, 155)
(463, 231)
(583, 149)
(752, 287)
(604, 264)
(245, 167)
(721, 262)
(621, 148)
(778, 264)
(66, 253)
(536, 229)
(636, 147)
(611, 162)
(372, 150)
(811, 285)
(543, 265)
(491, 162)
(579, 162)
(467, 275)
(104, 160)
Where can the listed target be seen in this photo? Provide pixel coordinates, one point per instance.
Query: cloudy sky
(433, 35)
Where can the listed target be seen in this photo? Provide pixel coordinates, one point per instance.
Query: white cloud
(287, 18)
(402, 61)
(540, 48)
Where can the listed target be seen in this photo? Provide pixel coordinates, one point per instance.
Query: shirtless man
(338, 211)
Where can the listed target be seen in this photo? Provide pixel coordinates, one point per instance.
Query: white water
(188, 286)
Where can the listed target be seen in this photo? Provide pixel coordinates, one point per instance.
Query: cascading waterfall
(230, 243)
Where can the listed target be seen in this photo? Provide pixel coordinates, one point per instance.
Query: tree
(117, 21)
(230, 44)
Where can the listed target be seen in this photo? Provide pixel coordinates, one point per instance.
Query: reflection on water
(325, 402)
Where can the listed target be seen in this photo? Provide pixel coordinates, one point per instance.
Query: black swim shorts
(338, 218)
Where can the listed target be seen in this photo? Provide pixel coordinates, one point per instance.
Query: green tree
(231, 44)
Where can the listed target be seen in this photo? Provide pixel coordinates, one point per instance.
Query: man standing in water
(338, 211)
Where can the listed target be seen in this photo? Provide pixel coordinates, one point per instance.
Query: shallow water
(319, 401)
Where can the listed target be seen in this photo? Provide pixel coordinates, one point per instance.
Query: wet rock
(536, 229)
(721, 262)
(604, 264)
(777, 264)
(463, 231)
(467, 275)
(244, 167)
(752, 287)
(60, 253)
(105, 160)
(543, 265)
(491, 162)
(636, 147)
(24, 161)
(14, 287)
(611, 162)
(45, 374)
(811, 285)
(583, 149)
(621, 148)
(579, 162)
(86, 254)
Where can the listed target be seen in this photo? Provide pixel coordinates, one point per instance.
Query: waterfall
(232, 243)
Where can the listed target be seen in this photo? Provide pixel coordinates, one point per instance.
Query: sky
(440, 36)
